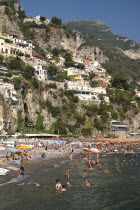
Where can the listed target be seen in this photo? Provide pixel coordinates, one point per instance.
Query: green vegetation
(101, 31)
(120, 82)
(55, 74)
(59, 128)
(86, 132)
(8, 2)
(15, 64)
(55, 20)
(42, 18)
(39, 123)
(29, 72)
(1, 59)
(35, 83)
(54, 110)
(20, 122)
(17, 81)
(68, 60)
(40, 51)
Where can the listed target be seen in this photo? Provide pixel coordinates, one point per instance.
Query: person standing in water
(84, 174)
(22, 170)
(87, 184)
(67, 174)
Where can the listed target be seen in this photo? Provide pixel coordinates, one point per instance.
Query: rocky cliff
(9, 22)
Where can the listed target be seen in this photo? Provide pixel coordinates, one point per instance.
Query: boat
(94, 150)
(25, 147)
(4, 172)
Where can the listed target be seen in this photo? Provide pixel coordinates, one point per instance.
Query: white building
(74, 71)
(8, 91)
(83, 91)
(74, 85)
(3, 71)
(88, 97)
(37, 20)
(99, 90)
(41, 72)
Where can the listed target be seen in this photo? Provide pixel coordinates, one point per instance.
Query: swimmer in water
(58, 185)
(84, 174)
(87, 184)
(63, 188)
(67, 174)
(99, 165)
(118, 170)
(68, 184)
(106, 171)
(90, 169)
(37, 184)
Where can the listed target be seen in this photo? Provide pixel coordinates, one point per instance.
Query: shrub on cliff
(15, 64)
(86, 132)
(35, 83)
(29, 72)
(57, 21)
(17, 83)
(39, 123)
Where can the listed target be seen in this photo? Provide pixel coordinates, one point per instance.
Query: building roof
(87, 63)
(38, 55)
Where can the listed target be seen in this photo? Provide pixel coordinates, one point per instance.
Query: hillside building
(41, 72)
(3, 71)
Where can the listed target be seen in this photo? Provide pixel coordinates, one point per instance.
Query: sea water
(112, 191)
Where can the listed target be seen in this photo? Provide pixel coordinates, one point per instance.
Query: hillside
(60, 81)
(102, 31)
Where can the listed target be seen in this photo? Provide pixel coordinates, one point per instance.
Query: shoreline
(52, 158)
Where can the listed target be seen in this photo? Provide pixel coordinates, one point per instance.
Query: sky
(123, 16)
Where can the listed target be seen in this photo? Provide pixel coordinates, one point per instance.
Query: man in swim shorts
(67, 174)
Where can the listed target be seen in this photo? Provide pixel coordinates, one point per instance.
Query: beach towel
(12, 168)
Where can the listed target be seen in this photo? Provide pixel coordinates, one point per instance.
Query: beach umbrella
(13, 150)
(74, 143)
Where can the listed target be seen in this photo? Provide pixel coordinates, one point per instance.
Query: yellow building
(4, 36)
(8, 49)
